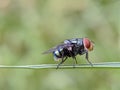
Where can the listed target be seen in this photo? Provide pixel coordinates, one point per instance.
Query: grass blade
(106, 65)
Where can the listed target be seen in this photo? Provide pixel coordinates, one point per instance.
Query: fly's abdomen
(58, 54)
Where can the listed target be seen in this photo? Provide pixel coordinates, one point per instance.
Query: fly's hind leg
(88, 59)
(63, 60)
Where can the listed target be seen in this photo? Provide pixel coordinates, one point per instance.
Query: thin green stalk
(105, 65)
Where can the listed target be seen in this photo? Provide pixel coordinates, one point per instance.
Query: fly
(71, 48)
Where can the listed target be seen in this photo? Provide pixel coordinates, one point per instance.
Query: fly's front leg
(88, 59)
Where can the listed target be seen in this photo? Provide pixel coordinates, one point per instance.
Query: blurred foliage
(29, 27)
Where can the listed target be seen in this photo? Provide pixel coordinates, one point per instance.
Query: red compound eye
(88, 44)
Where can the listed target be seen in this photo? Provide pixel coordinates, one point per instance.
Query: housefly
(71, 48)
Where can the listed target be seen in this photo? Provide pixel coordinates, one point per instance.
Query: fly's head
(88, 44)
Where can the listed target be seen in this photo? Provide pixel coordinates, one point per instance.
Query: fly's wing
(51, 50)
(68, 46)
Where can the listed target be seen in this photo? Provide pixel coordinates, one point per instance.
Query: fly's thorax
(77, 41)
(67, 42)
(76, 48)
(80, 42)
(71, 41)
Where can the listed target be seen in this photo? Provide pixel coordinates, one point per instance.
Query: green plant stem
(106, 65)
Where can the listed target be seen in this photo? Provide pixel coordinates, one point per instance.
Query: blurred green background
(30, 27)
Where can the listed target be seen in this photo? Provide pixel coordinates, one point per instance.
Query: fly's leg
(75, 61)
(63, 60)
(88, 59)
(74, 58)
